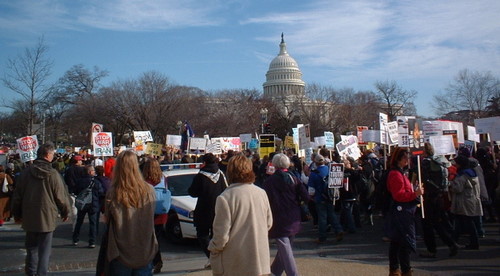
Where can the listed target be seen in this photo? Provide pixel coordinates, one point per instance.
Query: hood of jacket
(40, 169)
(212, 172)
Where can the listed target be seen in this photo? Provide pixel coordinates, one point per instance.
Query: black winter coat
(97, 191)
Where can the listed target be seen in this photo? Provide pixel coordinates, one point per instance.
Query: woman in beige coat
(243, 218)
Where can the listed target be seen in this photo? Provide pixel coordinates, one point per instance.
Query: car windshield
(179, 184)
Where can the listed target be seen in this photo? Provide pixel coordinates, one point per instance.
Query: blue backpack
(163, 198)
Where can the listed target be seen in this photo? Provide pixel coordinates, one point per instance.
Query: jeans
(92, 226)
(347, 207)
(399, 255)
(284, 260)
(118, 269)
(38, 249)
(326, 213)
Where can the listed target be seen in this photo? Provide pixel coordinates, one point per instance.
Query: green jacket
(39, 197)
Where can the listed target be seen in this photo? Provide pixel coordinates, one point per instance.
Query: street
(362, 253)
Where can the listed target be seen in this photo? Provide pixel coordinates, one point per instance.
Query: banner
(336, 175)
(102, 143)
(266, 144)
(27, 147)
(154, 149)
(174, 140)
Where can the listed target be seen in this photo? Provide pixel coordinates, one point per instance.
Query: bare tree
(394, 97)
(78, 82)
(470, 91)
(27, 76)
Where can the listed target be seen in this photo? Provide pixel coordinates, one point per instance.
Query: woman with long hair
(130, 205)
(153, 175)
(242, 220)
(401, 214)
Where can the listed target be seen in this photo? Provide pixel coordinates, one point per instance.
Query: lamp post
(263, 117)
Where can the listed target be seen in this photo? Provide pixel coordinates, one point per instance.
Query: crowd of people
(244, 200)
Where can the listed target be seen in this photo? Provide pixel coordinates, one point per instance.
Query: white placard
(144, 136)
(471, 134)
(458, 126)
(371, 135)
(489, 125)
(349, 147)
(174, 140)
(392, 130)
(442, 144)
(319, 141)
(196, 143)
(214, 148)
(432, 128)
(246, 138)
(329, 140)
(304, 137)
(27, 147)
(383, 119)
(102, 143)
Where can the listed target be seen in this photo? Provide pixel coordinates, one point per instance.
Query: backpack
(83, 200)
(437, 175)
(163, 198)
(326, 194)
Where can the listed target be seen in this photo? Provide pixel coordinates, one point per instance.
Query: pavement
(362, 253)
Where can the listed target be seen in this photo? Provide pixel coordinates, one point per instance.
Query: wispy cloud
(392, 38)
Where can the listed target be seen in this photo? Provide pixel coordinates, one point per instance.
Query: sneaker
(91, 245)
(75, 243)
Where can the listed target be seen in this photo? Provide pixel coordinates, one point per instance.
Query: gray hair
(281, 161)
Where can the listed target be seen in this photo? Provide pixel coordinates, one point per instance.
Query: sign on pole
(266, 144)
(140, 139)
(360, 130)
(197, 144)
(102, 143)
(329, 140)
(304, 137)
(154, 149)
(336, 175)
(174, 140)
(382, 120)
(27, 147)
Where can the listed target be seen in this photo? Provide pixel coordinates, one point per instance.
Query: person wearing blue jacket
(92, 210)
(324, 205)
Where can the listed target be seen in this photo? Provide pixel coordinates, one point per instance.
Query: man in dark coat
(97, 192)
(207, 185)
(40, 196)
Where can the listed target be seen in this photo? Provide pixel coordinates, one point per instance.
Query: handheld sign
(336, 175)
(27, 147)
(103, 143)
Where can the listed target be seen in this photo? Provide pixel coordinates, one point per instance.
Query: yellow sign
(154, 149)
(266, 144)
(289, 142)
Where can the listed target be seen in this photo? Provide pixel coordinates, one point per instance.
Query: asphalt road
(361, 252)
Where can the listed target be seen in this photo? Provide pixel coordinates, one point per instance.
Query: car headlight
(191, 214)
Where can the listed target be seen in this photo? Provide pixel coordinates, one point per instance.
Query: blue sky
(217, 44)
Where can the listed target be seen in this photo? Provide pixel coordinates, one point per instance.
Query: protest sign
(27, 147)
(442, 144)
(403, 133)
(458, 126)
(319, 141)
(304, 137)
(154, 149)
(266, 144)
(371, 135)
(360, 130)
(392, 131)
(329, 140)
(349, 147)
(382, 120)
(140, 139)
(174, 140)
(102, 143)
(214, 147)
(254, 144)
(336, 175)
(453, 134)
(289, 142)
(471, 134)
(196, 143)
(431, 128)
(246, 138)
(489, 125)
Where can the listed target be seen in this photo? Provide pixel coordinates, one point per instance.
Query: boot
(395, 272)
(409, 273)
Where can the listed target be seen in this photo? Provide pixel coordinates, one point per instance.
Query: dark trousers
(38, 249)
(204, 234)
(399, 256)
(158, 231)
(92, 226)
(435, 220)
(465, 224)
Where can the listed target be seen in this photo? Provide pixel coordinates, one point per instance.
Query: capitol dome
(284, 78)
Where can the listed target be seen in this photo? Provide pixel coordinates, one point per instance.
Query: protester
(285, 192)
(207, 185)
(465, 201)
(243, 218)
(487, 163)
(435, 217)
(153, 175)
(40, 196)
(5, 197)
(88, 180)
(324, 204)
(106, 185)
(129, 211)
(401, 214)
(74, 172)
(349, 195)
